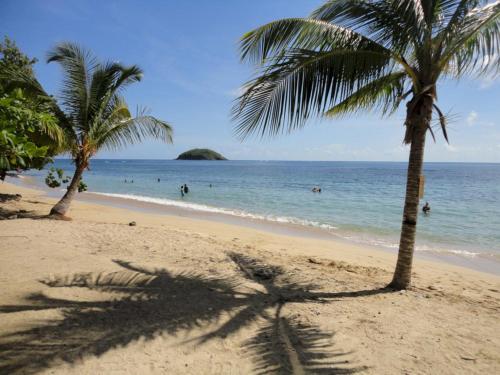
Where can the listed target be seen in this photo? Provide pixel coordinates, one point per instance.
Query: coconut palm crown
(357, 55)
(97, 116)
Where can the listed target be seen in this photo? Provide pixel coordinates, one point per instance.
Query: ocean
(359, 201)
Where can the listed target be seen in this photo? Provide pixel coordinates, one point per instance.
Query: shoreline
(175, 294)
(479, 262)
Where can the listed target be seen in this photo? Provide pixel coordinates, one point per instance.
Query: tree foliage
(94, 112)
(55, 178)
(29, 130)
(91, 99)
(22, 131)
(13, 58)
(351, 56)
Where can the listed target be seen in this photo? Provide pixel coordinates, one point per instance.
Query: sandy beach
(180, 295)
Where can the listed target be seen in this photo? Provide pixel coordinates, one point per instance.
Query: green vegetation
(92, 114)
(96, 115)
(29, 131)
(352, 56)
(55, 178)
(200, 154)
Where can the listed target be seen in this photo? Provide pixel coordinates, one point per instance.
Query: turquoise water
(360, 201)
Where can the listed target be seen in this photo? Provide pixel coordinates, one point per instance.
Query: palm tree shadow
(151, 302)
(285, 344)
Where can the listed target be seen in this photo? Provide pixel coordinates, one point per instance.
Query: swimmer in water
(426, 208)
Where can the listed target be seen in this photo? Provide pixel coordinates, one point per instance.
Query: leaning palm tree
(96, 114)
(354, 55)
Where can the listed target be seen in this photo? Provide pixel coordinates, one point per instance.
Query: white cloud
(472, 118)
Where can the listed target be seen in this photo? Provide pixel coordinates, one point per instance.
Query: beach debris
(132, 224)
(313, 261)
(468, 358)
(255, 269)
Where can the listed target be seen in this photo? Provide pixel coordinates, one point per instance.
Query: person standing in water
(182, 191)
(186, 189)
(426, 208)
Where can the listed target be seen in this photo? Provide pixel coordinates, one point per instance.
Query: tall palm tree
(96, 114)
(354, 55)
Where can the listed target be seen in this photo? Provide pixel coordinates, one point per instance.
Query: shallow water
(360, 201)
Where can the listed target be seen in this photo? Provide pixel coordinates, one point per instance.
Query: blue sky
(188, 51)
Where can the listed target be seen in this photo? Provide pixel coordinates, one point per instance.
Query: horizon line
(304, 161)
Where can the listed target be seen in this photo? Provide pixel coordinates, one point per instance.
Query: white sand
(178, 295)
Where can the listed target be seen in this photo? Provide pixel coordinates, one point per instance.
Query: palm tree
(353, 55)
(96, 114)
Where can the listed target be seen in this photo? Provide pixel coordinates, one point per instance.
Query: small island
(200, 154)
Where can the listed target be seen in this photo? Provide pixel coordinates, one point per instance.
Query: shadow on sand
(9, 213)
(154, 302)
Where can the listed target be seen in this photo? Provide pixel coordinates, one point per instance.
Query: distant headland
(200, 154)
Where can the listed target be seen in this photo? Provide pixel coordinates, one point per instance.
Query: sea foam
(377, 242)
(219, 210)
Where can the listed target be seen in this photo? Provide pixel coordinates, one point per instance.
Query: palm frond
(385, 93)
(394, 24)
(452, 15)
(442, 122)
(300, 33)
(474, 47)
(77, 65)
(98, 115)
(19, 78)
(120, 129)
(128, 75)
(53, 130)
(101, 87)
(110, 79)
(302, 83)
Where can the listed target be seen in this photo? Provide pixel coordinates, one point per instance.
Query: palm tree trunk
(420, 118)
(62, 207)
